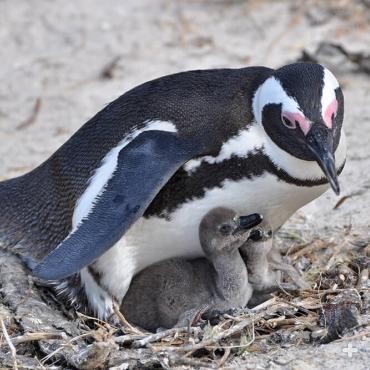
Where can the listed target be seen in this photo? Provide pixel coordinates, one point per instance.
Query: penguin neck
(230, 273)
(256, 259)
(295, 167)
(253, 139)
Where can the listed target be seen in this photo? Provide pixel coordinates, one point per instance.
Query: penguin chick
(265, 265)
(255, 255)
(171, 292)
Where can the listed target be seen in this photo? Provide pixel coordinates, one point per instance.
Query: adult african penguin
(130, 187)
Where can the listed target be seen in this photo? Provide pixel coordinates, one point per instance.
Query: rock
(341, 315)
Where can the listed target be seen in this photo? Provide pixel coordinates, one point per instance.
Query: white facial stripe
(240, 145)
(271, 92)
(328, 90)
(102, 174)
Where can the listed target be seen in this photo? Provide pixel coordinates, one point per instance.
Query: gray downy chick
(170, 293)
(265, 265)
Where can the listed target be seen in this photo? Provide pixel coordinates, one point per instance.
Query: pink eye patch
(298, 118)
(330, 112)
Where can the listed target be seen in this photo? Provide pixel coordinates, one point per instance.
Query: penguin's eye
(225, 229)
(288, 123)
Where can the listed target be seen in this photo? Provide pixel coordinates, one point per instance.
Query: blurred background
(61, 62)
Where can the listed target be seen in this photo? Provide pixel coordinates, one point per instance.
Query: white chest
(274, 199)
(155, 239)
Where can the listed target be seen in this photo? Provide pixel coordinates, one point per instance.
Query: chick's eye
(225, 229)
(288, 123)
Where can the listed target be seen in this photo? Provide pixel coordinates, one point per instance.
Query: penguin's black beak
(247, 222)
(320, 142)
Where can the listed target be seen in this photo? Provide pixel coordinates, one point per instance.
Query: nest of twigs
(38, 332)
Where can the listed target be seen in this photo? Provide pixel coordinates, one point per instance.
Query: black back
(211, 105)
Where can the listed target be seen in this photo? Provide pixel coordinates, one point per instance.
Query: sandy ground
(53, 54)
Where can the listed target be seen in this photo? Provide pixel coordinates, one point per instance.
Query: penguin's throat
(298, 168)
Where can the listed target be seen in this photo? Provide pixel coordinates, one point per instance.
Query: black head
(222, 229)
(301, 109)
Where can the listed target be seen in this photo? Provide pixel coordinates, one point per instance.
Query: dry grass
(336, 307)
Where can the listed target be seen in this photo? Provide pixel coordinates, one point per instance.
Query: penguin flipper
(144, 166)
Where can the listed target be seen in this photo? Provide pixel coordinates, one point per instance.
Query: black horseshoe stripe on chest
(185, 186)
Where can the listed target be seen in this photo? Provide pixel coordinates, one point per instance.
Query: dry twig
(310, 248)
(32, 337)
(125, 323)
(10, 344)
(225, 334)
(158, 336)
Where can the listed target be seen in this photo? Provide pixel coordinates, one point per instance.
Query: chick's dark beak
(247, 222)
(320, 142)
